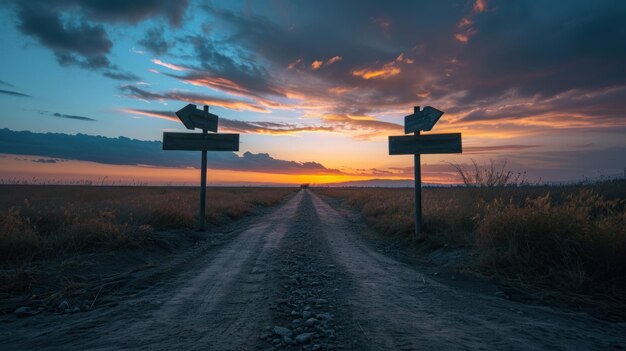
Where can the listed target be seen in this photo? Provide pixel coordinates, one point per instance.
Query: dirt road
(303, 277)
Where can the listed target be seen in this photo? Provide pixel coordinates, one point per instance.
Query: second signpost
(417, 145)
(193, 118)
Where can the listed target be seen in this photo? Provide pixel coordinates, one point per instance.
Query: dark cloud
(119, 75)
(129, 11)
(125, 151)
(74, 117)
(13, 93)
(470, 59)
(75, 42)
(73, 29)
(47, 160)
(155, 41)
(544, 48)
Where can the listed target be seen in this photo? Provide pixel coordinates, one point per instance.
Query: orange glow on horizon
(68, 171)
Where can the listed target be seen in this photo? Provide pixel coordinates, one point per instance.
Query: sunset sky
(314, 87)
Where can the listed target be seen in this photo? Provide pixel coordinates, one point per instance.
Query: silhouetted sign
(200, 142)
(417, 145)
(421, 120)
(193, 118)
(425, 144)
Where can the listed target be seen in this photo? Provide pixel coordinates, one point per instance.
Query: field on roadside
(569, 238)
(43, 221)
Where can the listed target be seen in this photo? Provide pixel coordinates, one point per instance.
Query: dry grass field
(569, 238)
(43, 221)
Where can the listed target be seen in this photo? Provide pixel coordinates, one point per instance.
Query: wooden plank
(425, 144)
(421, 120)
(193, 118)
(199, 142)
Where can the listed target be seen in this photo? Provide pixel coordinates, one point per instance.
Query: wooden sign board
(421, 120)
(200, 142)
(425, 144)
(193, 118)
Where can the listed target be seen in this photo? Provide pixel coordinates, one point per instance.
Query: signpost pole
(203, 182)
(417, 169)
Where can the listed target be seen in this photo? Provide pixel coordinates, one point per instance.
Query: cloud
(200, 99)
(155, 41)
(118, 75)
(513, 54)
(13, 93)
(47, 160)
(74, 117)
(129, 11)
(6, 84)
(229, 125)
(73, 29)
(386, 71)
(125, 151)
(76, 42)
(316, 64)
(169, 65)
(333, 60)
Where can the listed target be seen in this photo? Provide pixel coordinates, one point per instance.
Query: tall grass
(43, 221)
(562, 237)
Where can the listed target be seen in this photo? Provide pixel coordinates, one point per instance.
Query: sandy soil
(303, 277)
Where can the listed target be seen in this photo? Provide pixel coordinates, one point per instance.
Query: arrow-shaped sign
(421, 120)
(193, 118)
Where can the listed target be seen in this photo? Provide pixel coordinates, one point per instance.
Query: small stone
(325, 316)
(288, 340)
(316, 347)
(304, 338)
(282, 331)
(311, 322)
(64, 305)
(25, 311)
(296, 321)
(294, 313)
(306, 315)
(276, 341)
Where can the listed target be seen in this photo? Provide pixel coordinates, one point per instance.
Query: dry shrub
(16, 280)
(169, 218)
(447, 213)
(18, 240)
(576, 245)
(91, 233)
(44, 221)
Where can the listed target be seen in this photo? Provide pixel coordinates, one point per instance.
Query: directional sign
(200, 142)
(425, 144)
(421, 120)
(417, 145)
(193, 118)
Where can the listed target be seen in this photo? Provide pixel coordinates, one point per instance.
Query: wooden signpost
(193, 118)
(417, 145)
